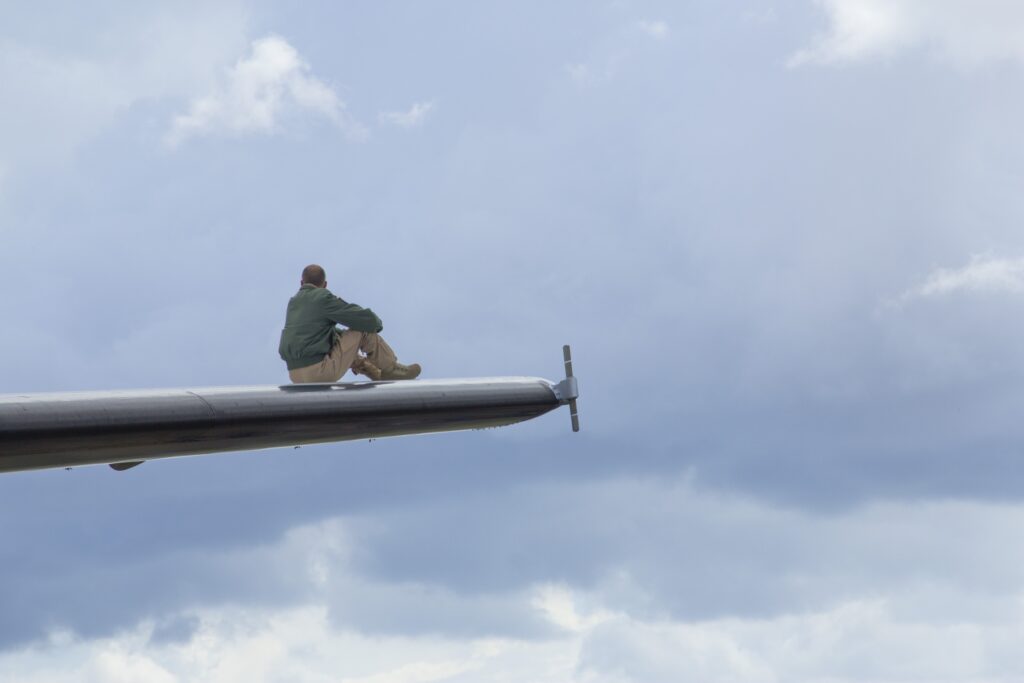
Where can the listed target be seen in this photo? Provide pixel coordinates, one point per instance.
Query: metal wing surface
(124, 428)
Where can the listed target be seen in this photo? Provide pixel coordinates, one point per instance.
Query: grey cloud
(667, 550)
(414, 609)
(464, 565)
(94, 550)
(177, 628)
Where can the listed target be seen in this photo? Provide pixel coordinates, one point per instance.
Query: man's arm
(351, 316)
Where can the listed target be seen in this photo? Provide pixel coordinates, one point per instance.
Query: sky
(783, 237)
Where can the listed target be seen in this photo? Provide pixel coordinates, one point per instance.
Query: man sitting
(316, 351)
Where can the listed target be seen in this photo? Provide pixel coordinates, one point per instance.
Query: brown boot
(402, 372)
(361, 366)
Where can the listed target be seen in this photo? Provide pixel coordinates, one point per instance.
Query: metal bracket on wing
(568, 390)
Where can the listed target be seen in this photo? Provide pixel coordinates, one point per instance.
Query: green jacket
(309, 331)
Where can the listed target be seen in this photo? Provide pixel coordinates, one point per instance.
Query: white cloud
(52, 104)
(857, 640)
(603, 68)
(237, 646)
(584, 74)
(655, 29)
(963, 33)
(854, 640)
(58, 97)
(115, 665)
(581, 74)
(557, 604)
(982, 274)
(412, 118)
(258, 92)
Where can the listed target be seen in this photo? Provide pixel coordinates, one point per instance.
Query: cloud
(237, 645)
(655, 29)
(582, 74)
(761, 15)
(52, 104)
(965, 34)
(59, 97)
(950, 609)
(412, 118)
(603, 71)
(613, 58)
(258, 92)
(982, 274)
(856, 640)
(723, 270)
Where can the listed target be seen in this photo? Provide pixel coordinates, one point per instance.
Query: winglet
(568, 390)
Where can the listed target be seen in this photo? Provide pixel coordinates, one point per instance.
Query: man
(316, 351)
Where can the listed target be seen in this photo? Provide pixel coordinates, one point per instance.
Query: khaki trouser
(344, 353)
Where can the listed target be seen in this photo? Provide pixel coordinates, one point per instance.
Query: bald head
(314, 275)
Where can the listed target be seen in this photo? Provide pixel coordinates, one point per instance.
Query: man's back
(309, 329)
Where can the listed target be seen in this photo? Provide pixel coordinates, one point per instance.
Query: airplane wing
(124, 428)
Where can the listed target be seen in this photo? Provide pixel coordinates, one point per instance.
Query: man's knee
(301, 376)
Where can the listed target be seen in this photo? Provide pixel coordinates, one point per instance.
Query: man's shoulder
(312, 293)
(315, 297)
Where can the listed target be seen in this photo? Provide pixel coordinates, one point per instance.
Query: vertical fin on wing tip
(571, 389)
